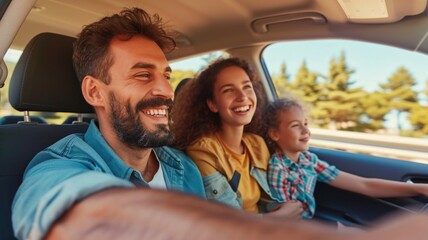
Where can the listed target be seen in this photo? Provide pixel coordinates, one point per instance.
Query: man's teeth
(242, 109)
(156, 112)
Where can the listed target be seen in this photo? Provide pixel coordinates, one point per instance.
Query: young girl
(216, 119)
(293, 170)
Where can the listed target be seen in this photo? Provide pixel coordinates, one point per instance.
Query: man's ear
(212, 106)
(91, 91)
(273, 134)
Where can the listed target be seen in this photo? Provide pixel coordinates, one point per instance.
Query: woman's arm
(217, 188)
(375, 187)
(216, 183)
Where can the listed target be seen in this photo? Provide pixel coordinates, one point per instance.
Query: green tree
(305, 85)
(417, 115)
(400, 93)
(376, 106)
(341, 100)
(280, 81)
(418, 118)
(178, 75)
(426, 90)
(339, 74)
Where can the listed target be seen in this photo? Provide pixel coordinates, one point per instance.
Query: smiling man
(120, 61)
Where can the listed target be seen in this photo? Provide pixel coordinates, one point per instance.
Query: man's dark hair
(91, 56)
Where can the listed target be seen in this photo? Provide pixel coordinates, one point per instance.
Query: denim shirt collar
(170, 163)
(172, 167)
(96, 140)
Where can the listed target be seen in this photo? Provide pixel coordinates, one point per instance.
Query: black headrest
(44, 79)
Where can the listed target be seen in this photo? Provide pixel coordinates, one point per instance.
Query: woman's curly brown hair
(191, 117)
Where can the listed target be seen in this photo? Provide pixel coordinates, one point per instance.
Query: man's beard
(131, 131)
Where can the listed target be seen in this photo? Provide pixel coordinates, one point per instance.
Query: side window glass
(11, 58)
(189, 67)
(354, 86)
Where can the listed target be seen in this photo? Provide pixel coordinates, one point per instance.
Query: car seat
(11, 119)
(79, 119)
(43, 80)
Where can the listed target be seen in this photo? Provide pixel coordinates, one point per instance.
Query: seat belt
(234, 182)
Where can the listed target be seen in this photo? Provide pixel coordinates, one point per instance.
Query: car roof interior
(242, 23)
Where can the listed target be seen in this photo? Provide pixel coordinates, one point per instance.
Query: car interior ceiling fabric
(43, 80)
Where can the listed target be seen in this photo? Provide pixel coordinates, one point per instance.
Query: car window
(354, 86)
(11, 58)
(189, 67)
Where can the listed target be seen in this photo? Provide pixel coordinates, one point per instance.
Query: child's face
(293, 134)
(234, 97)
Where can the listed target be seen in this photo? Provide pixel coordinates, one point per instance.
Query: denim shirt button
(215, 191)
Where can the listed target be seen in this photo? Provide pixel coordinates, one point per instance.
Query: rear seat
(43, 80)
(79, 119)
(11, 119)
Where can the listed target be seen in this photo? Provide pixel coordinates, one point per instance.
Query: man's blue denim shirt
(79, 165)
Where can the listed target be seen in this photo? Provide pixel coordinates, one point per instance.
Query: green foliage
(342, 101)
(426, 89)
(336, 103)
(376, 106)
(418, 118)
(280, 81)
(400, 93)
(305, 85)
